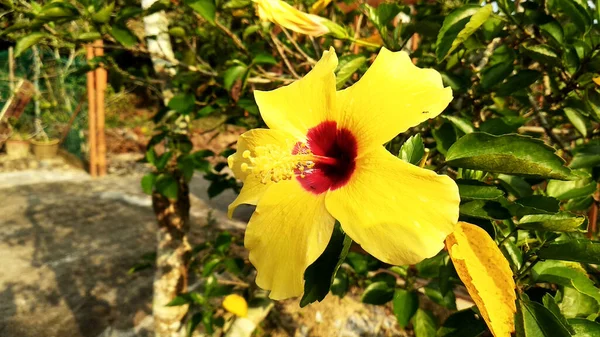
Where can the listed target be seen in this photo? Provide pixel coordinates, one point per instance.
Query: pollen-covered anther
(274, 163)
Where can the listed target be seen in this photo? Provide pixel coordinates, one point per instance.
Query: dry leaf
(486, 274)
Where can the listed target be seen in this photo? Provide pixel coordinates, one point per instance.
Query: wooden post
(92, 114)
(100, 90)
(11, 70)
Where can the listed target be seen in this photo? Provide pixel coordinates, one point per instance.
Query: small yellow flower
(236, 305)
(322, 159)
(283, 14)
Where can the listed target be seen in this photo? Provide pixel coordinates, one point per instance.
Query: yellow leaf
(486, 274)
(236, 305)
(596, 80)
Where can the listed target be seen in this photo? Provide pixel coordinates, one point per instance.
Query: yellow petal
(250, 141)
(287, 16)
(288, 231)
(486, 274)
(303, 104)
(596, 80)
(236, 305)
(391, 97)
(319, 5)
(396, 211)
(250, 194)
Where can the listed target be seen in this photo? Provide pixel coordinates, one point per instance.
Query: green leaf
(558, 272)
(541, 53)
(447, 300)
(182, 299)
(477, 190)
(167, 185)
(103, 15)
(464, 323)
(58, 10)
(587, 155)
(578, 250)
(563, 190)
(453, 25)
(26, 42)
(193, 323)
(148, 183)
(478, 19)
(424, 324)
(515, 185)
(206, 8)
(573, 304)
(534, 320)
(550, 304)
(460, 123)
(535, 204)
(123, 35)
(183, 103)
(444, 137)
(585, 327)
(231, 75)
(513, 254)
(484, 209)
(340, 284)
(413, 150)
(576, 119)
(509, 154)
(377, 293)
(264, 58)
(576, 13)
(345, 70)
(521, 80)
(320, 275)
(405, 305)
(561, 222)
(495, 74)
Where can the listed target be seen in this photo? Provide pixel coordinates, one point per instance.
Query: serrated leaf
(561, 222)
(453, 24)
(491, 285)
(405, 305)
(413, 150)
(509, 154)
(578, 250)
(346, 69)
(27, 41)
(320, 275)
(568, 275)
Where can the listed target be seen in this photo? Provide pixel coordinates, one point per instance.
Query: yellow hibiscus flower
(322, 159)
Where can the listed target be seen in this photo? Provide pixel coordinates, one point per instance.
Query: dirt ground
(66, 247)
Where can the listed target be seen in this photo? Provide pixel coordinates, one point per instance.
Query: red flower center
(335, 152)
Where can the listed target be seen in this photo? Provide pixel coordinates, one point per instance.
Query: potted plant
(17, 145)
(45, 146)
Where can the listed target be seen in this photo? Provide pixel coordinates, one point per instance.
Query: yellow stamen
(271, 162)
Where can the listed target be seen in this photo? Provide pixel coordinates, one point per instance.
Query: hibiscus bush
(409, 150)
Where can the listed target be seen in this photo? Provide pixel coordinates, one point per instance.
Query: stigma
(274, 163)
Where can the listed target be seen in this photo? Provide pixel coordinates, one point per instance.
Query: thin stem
(363, 42)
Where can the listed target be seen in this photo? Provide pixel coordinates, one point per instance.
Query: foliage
(520, 138)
